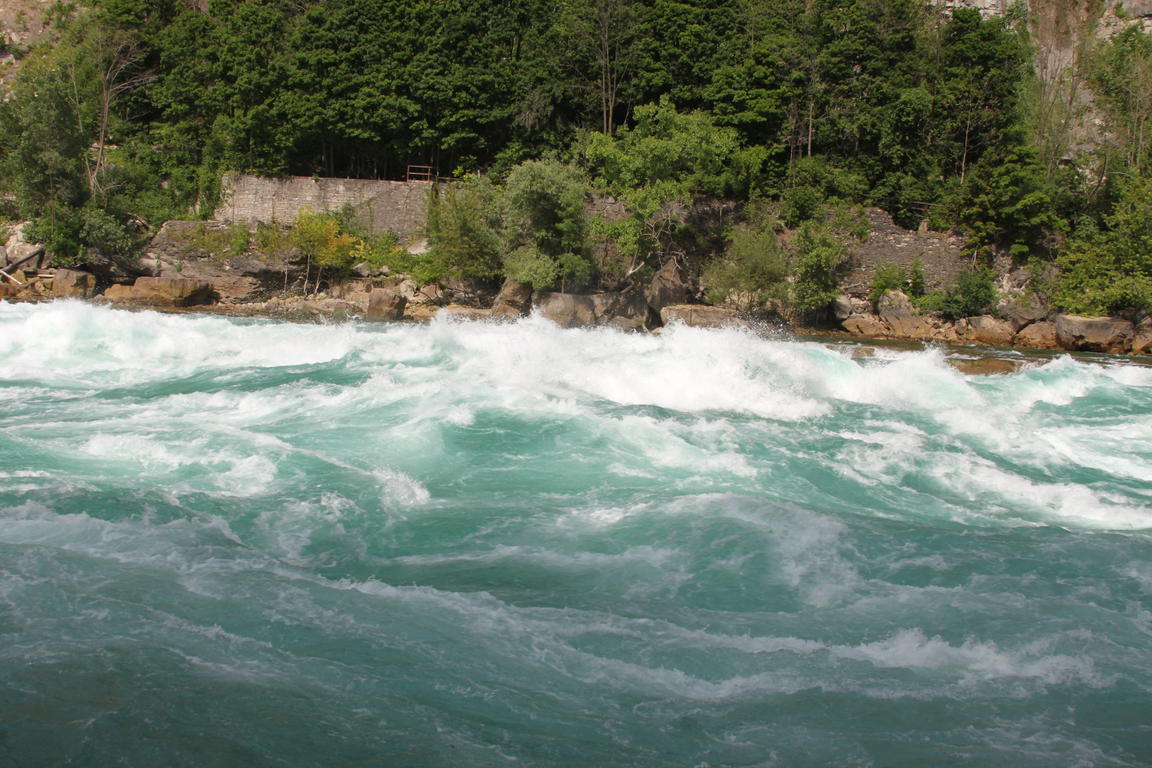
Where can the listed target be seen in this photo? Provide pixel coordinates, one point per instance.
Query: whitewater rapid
(249, 542)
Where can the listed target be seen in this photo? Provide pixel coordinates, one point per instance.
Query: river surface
(251, 543)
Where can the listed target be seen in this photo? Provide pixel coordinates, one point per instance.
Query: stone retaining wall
(381, 206)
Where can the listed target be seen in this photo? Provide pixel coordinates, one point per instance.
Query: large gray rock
(1041, 335)
(1094, 334)
(894, 304)
(514, 299)
(73, 284)
(844, 306)
(985, 329)
(1137, 7)
(203, 250)
(17, 249)
(1142, 339)
(701, 316)
(666, 287)
(567, 310)
(904, 321)
(866, 324)
(624, 309)
(385, 306)
(1022, 309)
(163, 292)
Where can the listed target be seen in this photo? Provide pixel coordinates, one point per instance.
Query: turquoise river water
(250, 543)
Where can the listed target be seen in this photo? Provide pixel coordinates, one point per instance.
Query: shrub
(1109, 271)
(465, 233)
(973, 294)
(888, 277)
(753, 270)
(819, 259)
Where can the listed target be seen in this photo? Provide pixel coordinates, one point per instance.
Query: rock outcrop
(701, 316)
(1094, 334)
(514, 299)
(162, 292)
(73, 284)
(627, 310)
(667, 287)
(985, 329)
(1041, 335)
(385, 305)
(202, 250)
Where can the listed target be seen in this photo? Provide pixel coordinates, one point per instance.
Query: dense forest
(796, 109)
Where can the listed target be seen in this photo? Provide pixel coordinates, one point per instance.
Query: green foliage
(1108, 270)
(973, 294)
(753, 271)
(318, 236)
(1120, 72)
(818, 262)
(887, 277)
(465, 233)
(917, 284)
(1008, 204)
(815, 182)
(676, 153)
(545, 203)
(894, 277)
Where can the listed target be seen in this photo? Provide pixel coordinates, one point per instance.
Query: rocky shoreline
(665, 300)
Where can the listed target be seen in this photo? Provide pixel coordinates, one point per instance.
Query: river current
(249, 543)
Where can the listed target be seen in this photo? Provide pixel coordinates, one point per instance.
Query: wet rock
(985, 366)
(163, 292)
(385, 305)
(568, 310)
(866, 325)
(462, 313)
(985, 329)
(621, 309)
(1094, 334)
(514, 299)
(1041, 335)
(667, 287)
(73, 284)
(1142, 338)
(626, 324)
(1021, 310)
(701, 316)
(844, 306)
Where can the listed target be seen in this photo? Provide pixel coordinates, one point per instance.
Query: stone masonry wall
(381, 206)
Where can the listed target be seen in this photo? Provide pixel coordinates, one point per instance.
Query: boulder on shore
(163, 292)
(1094, 334)
(514, 299)
(666, 288)
(1142, 340)
(1041, 335)
(385, 306)
(73, 284)
(702, 316)
(985, 329)
(866, 324)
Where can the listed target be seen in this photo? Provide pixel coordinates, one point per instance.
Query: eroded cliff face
(23, 25)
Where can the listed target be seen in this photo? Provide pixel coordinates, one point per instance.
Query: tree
(606, 33)
(1108, 270)
(548, 228)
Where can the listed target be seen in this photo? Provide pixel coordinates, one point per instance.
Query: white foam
(973, 659)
